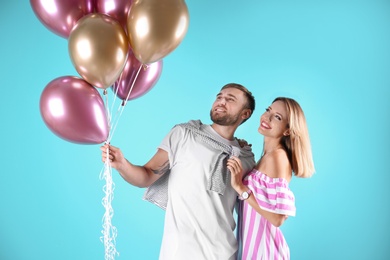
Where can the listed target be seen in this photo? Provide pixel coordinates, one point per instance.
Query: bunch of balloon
(117, 44)
(110, 41)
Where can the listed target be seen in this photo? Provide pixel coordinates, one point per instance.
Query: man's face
(228, 107)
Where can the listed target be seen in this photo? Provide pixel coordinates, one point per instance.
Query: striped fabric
(258, 238)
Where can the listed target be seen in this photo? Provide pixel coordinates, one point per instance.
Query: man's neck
(226, 132)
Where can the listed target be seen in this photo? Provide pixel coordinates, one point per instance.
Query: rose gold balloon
(98, 47)
(59, 16)
(138, 78)
(74, 110)
(117, 9)
(156, 28)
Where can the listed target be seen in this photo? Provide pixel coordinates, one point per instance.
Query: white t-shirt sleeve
(171, 142)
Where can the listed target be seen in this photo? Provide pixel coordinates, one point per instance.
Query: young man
(188, 177)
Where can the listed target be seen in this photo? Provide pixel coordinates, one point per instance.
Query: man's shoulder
(182, 128)
(195, 123)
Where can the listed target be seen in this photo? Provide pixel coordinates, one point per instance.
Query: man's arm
(140, 176)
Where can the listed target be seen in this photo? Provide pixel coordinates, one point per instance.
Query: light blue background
(331, 56)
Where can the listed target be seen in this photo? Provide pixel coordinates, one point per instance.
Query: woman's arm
(274, 218)
(235, 167)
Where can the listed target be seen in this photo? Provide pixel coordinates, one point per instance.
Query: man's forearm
(136, 175)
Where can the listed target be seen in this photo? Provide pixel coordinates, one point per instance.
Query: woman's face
(274, 121)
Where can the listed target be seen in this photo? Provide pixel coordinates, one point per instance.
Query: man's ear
(246, 113)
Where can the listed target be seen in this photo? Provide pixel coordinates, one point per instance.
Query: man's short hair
(250, 104)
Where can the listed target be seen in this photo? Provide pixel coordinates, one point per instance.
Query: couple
(200, 171)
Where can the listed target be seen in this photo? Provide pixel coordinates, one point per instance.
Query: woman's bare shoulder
(278, 165)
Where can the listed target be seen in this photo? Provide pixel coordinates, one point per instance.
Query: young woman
(265, 197)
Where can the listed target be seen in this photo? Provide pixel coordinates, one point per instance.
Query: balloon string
(113, 125)
(111, 118)
(116, 91)
(109, 231)
(122, 106)
(108, 114)
(132, 85)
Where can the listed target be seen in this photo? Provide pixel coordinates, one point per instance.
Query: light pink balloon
(117, 9)
(74, 110)
(60, 16)
(147, 77)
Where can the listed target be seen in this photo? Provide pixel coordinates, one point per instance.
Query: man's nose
(222, 101)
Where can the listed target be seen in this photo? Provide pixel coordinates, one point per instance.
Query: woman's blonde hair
(297, 143)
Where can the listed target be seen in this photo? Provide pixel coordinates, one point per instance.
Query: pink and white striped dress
(258, 238)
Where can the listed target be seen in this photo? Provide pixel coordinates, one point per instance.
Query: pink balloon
(60, 16)
(117, 9)
(74, 110)
(147, 77)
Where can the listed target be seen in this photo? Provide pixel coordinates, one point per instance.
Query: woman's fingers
(233, 166)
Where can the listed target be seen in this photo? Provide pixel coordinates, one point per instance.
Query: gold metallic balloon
(98, 47)
(156, 27)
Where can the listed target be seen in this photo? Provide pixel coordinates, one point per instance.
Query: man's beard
(225, 120)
